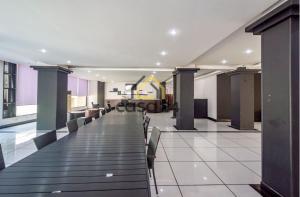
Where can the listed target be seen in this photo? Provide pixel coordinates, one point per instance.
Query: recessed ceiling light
(224, 61)
(69, 62)
(89, 71)
(158, 63)
(173, 32)
(163, 53)
(43, 50)
(154, 72)
(249, 51)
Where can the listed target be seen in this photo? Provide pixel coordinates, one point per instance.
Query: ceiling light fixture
(163, 53)
(69, 62)
(89, 71)
(154, 72)
(158, 63)
(224, 61)
(249, 51)
(173, 32)
(43, 50)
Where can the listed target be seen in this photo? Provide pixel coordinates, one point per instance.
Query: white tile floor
(17, 141)
(188, 164)
(209, 164)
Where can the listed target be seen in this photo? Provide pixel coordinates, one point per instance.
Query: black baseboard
(212, 119)
(265, 190)
(17, 123)
(184, 129)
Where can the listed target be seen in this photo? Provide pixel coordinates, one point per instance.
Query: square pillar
(242, 99)
(52, 97)
(185, 98)
(280, 93)
(101, 93)
(174, 95)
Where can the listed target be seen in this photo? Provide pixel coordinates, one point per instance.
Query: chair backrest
(96, 116)
(45, 139)
(2, 164)
(153, 143)
(88, 120)
(146, 123)
(80, 121)
(72, 125)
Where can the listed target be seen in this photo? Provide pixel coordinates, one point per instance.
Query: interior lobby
(153, 98)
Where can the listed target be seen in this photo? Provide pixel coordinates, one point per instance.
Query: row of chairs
(151, 145)
(50, 137)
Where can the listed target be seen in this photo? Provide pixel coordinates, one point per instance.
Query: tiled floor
(17, 141)
(188, 164)
(209, 164)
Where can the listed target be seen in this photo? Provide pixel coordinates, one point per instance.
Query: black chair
(144, 114)
(2, 163)
(45, 139)
(88, 120)
(96, 116)
(151, 151)
(146, 125)
(72, 125)
(103, 112)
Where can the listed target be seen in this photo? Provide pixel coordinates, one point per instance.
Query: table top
(104, 158)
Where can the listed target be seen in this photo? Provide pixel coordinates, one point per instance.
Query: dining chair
(2, 163)
(146, 125)
(87, 120)
(96, 116)
(144, 114)
(151, 152)
(81, 121)
(72, 125)
(45, 139)
(103, 112)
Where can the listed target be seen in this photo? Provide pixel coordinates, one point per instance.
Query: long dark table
(104, 158)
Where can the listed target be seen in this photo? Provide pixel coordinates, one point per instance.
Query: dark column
(280, 83)
(185, 98)
(242, 99)
(174, 95)
(257, 97)
(223, 97)
(52, 97)
(101, 93)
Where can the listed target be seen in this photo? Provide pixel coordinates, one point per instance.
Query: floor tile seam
(236, 160)
(172, 171)
(213, 172)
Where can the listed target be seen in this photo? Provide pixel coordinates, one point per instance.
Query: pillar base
(264, 190)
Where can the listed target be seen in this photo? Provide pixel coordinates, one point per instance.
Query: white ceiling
(233, 49)
(119, 33)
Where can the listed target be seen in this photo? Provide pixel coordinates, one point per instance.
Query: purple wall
(72, 85)
(83, 87)
(78, 87)
(26, 85)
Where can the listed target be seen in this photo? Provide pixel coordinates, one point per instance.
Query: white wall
(206, 88)
(169, 87)
(92, 93)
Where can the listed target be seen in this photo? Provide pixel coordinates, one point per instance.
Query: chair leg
(154, 178)
(149, 173)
